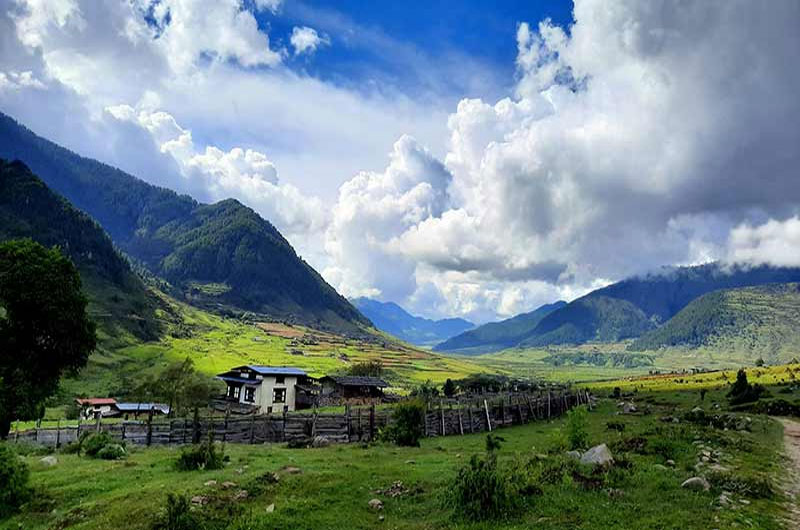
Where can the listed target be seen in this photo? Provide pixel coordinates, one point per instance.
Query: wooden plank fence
(445, 417)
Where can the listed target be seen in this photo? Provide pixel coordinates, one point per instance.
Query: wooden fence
(442, 418)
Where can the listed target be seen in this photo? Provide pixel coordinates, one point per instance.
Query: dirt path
(791, 440)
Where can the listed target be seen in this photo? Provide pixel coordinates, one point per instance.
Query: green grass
(337, 482)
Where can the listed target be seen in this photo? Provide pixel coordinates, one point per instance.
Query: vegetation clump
(100, 445)
(14, 475)
(205, 455)
(177, 515)
(743, 392)
(577, 433)
(371, 368)
(482, 490)
(408, 426)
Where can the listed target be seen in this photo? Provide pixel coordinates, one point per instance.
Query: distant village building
(110, 407)
(266, 389)
(352, 386)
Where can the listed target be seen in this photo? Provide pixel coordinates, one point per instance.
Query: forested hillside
(118, 300)
(393, 319)
(219, 255)
(761, 321)
(498, 335)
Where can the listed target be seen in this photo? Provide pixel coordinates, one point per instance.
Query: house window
(249, 394)
(269, 410)
(233, 391)
(280, 379)
(236, 391)
(279, 395)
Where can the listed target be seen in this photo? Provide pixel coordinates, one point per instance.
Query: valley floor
(331, 487)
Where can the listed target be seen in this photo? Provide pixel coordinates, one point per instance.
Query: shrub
(372, 368)
(449, 388)
(177, 515)
(408, 425)
(748, 486)
(577, 435)
(91, 444)
(14, 476)
(743, 392)
(482, 491)
(205, 455)
(111, 452)
(615, 426)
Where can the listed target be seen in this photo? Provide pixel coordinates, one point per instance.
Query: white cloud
(774, 243)
(12, 80)
(307, 40)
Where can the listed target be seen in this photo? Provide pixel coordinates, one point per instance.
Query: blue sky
(459, 49)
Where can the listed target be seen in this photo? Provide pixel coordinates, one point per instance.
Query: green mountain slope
(759, 321)
(217, 256)
(393, 319)
(496, 336)
(118, 300)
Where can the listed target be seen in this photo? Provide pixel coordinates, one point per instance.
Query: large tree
(44, 329)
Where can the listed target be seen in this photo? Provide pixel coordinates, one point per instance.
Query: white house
(268, 389)
(94, 407)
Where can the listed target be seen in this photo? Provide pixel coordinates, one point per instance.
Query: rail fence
(358, 423)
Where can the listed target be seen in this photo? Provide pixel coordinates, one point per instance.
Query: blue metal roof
(143, 407)
(276, 370)
(240, 379)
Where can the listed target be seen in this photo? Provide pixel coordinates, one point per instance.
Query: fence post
(548, 404)
(58, 434)
(488, 419)
(372, 422)
(460, 423)
(283, 434)
(225, 425)
(123, 431)
(360, 432)
(196, 427)
(347, 418)
(98, 420)
(149, 427)
(469, 417)
(425, 423)
(502, 412)
(252, 428)
(530, 407)
(441, 416)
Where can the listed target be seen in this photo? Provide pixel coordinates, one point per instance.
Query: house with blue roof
(267, 389)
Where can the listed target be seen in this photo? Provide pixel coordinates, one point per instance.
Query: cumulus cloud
(12, 80)
(307, 40)
(774, 242)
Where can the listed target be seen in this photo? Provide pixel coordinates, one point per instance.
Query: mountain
(393, 319)
(118, 300)
(221, 256)
(758, 321)
(629, 308)
(498, 335)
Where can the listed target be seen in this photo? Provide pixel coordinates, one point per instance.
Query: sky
(473, 159)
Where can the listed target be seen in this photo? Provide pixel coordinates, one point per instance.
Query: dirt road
(791, 440)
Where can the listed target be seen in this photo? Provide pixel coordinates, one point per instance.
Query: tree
(179, 385)
(44, 329)
(449, 388)
(760, 361)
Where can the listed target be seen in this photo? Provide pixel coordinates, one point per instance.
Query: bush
(205, 455)
(743, 392)
(577, 435)
(408, 425)
(177, 515)
(372, 368)
(14, 476)
(111, 452)
(91, 444)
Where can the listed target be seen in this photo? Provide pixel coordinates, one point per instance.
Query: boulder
(628, 408)
(375, 504)
(271, 508)
(209, 483)
(49, 461)
(291, 470)
(598, 455)
(574, 454)
(199, 500)
(696, 483)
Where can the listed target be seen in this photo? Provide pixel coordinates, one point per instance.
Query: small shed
(353, 386)
(94, 407)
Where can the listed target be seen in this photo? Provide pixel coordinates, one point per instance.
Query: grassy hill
(761, 321)
(496, 336)
(118, 300)
(393, 319)
(218, 255)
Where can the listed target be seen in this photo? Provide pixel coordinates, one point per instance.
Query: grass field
(335, 483)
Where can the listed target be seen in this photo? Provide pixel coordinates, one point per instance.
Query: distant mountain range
(393, 319)
(637, 307)
(498, 335)
(222, 256)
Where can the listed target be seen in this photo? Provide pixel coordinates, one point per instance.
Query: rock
(698, 410)
(598, 455)
(381, 517)
(410, 462)
(291, 470)
(574, 454)
(670, 463)
(240, 495)
(696, 483)
(228, 484)
(628, 408)
(49, 461)
(210, 483)
(660, 467)
(718, 468)
(271, 508)
(375, 504)
(199, 500)
(321, 441)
